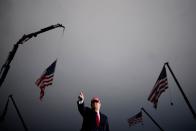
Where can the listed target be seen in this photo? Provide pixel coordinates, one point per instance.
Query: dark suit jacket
(89, 119)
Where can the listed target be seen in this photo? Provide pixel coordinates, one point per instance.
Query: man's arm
(80, 103)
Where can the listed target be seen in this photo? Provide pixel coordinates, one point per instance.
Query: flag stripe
(160, 86)
(43, 78)
(46, 78)
(157, 86)
(158, 93)
(45, 81)
(135, 119)
(155, 100)
(45, 84)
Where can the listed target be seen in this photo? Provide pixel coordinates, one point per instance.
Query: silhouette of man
(93, 119)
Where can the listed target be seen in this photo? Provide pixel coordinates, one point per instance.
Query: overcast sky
(114, 49)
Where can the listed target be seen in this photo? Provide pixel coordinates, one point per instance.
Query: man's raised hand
(81, 96)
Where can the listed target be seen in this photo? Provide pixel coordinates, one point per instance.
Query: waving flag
(160, 86)
(135, 119)
(46, 78)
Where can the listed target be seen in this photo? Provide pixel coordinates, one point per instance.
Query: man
(93, 119)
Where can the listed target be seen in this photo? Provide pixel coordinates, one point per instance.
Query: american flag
(160, 86)
(46, 78)
(135, 119)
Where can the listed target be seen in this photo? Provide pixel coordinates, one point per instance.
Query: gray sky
(114, 49)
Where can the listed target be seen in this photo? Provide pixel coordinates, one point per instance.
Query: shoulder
(103, 116)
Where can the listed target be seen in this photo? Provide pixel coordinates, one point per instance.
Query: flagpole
(182, 92)
(152, 119)
(20, 116)
(2, 117)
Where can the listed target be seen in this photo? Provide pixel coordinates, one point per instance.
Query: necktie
(97, 120)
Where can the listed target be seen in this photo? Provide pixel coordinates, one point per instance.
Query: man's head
(95, 104)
